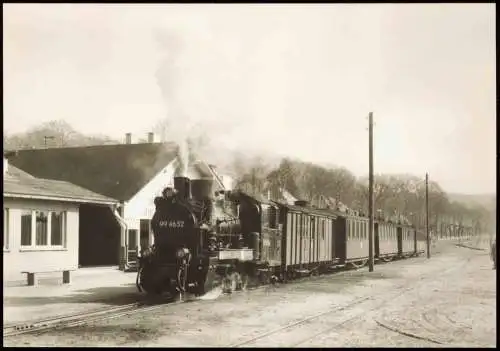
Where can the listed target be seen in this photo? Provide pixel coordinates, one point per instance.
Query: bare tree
(57, 133)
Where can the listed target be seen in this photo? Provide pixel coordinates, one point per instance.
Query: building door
(145, 230)
(132, 247)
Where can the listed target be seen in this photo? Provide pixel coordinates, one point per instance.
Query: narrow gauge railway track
(78, 319)
(289, 328)
(470, 247)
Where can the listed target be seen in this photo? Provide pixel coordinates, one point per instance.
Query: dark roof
(36, 188)
(117, 171)
(309, 210)
(16, 172)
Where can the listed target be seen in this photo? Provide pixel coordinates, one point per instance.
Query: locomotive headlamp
(182, 252)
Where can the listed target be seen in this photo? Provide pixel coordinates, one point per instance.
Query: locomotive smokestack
(183, 187)
(201, 189)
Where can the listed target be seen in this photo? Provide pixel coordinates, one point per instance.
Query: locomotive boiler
(200, 238)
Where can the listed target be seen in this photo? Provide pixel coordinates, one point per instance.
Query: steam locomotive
(198, 239)
(203, 240)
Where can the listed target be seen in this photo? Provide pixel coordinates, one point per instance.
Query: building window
(42, 229)
(57, 228)
(5, 228)
(26, 228)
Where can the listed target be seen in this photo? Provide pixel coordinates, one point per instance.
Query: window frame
(48, 247)
(6, 229)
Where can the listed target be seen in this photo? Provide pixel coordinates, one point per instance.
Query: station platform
(90, 289)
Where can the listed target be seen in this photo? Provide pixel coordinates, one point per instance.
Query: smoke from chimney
(167, 77)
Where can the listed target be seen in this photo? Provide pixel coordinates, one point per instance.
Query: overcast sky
(292, 79)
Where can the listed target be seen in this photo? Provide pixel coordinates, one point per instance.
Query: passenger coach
(309, 239)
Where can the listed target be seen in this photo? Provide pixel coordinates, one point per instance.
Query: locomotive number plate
(242, 255)
(172, 224)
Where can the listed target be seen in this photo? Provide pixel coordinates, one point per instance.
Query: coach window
(307, 223)
(304, 226)
(272, 217)
(313, 227)
(265, 216)
(298, 224)
(323, 224)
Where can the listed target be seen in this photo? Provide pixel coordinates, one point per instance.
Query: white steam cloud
(176, 126)
(198, 118)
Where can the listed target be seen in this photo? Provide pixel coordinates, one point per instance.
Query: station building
(42, 222)
(133, 174)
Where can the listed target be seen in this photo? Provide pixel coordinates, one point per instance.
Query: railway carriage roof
(308, 210)
(254, 196)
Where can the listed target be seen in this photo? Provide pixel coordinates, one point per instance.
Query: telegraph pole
(427, 214)
(370, 192)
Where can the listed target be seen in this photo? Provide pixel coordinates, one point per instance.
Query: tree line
(396, 196)
(57, 133)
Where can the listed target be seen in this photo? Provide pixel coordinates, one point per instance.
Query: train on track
(203, 240)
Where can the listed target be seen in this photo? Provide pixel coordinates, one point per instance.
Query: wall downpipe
(123, 234)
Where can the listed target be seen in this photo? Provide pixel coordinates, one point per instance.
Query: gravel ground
(447, 301)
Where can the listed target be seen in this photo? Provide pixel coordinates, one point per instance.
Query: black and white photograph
(315, 175)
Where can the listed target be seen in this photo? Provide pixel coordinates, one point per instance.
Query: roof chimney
(5, 165)
(151, 137)
(128, 138)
